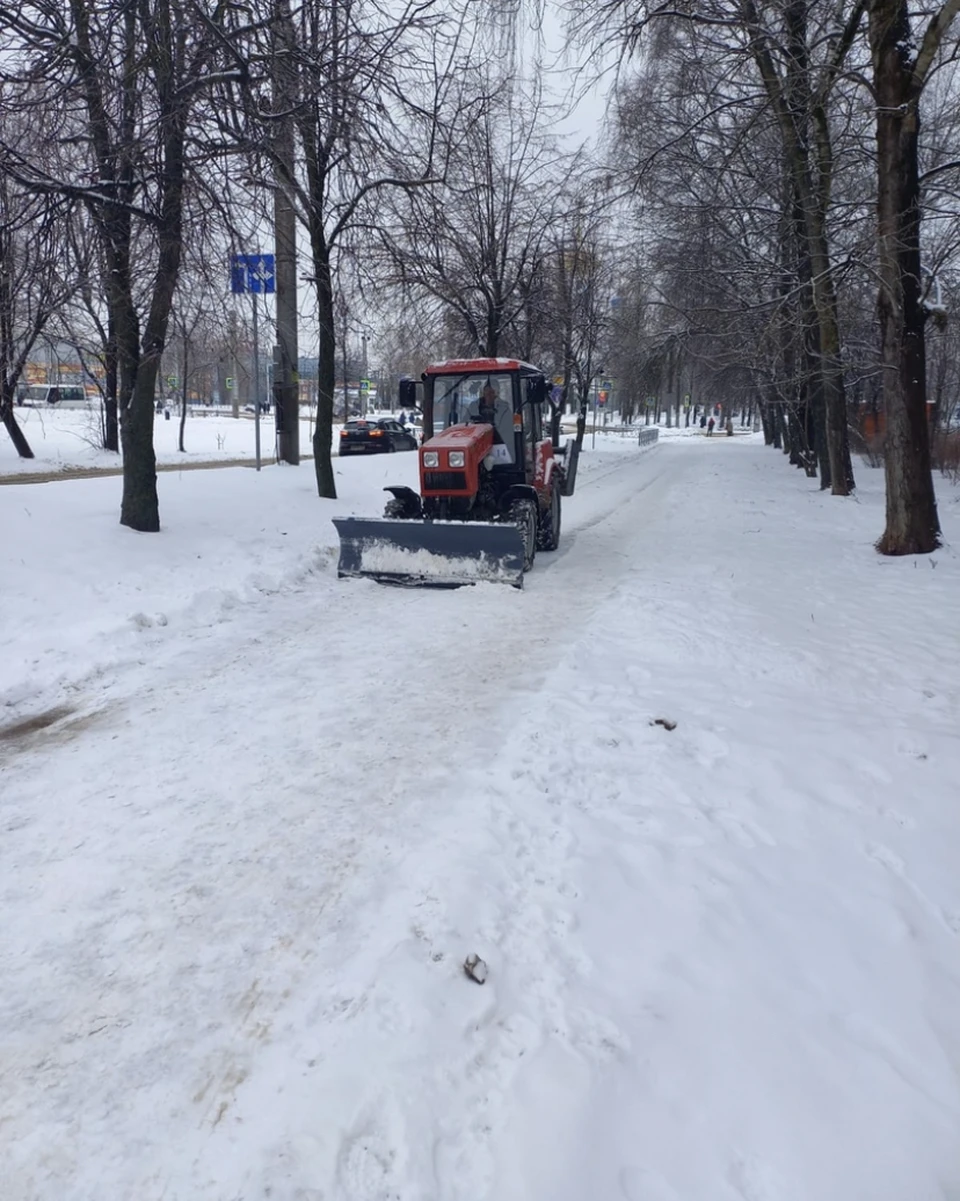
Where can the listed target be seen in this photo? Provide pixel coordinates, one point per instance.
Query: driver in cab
(487, 414)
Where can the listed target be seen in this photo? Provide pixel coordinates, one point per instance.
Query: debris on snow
(475, 968)
(665, 722)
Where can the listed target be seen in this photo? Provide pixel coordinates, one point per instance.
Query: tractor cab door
(537, 443)
(532, 431)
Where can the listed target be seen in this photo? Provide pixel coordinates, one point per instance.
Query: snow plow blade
(439, 554)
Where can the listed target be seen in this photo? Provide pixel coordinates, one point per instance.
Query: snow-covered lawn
(273, 812)
(70, 438)
(63, 439)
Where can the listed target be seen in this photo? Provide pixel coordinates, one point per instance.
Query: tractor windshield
(469, 399)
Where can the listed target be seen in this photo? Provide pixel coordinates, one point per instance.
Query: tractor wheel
(395, 508)
(523, 513)
(548, 535)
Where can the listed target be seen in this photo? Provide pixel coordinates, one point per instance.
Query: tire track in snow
(416, 922)
(525, 914)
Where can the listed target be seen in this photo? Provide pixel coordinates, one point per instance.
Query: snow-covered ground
(70, 438)
(255, 818)
(63, 439)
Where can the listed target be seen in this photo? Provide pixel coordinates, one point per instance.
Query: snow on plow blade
(442, 554)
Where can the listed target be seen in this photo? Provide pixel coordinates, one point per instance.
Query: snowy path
(725, 959)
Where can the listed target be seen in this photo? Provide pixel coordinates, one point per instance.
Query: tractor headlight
(455, 458)
(431, 458)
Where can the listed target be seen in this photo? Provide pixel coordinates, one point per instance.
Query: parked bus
(52, 394)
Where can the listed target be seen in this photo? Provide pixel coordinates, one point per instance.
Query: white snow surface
(62, 439)
(263, 817)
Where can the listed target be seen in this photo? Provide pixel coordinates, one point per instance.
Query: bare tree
(366, 82)
(408, 339)
(808, 55)
(797, 50)
(475, 246)
(901, 69)
(193, 347)
(36, 281)
(799, 92)
(125, 79)
(578, 271)
(715, 277)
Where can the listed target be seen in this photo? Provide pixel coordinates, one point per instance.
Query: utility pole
(364, 395)
(286, 380)
(343, 349)
(234, 352)
(596, 398)
(256, 378)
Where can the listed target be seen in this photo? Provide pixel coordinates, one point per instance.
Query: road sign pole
(254, 273)
(256, 377)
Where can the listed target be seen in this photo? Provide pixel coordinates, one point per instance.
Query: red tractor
(491, 479)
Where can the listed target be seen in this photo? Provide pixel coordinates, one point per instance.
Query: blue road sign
(252, 273)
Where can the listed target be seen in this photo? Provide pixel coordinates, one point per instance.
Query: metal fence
(649, 435)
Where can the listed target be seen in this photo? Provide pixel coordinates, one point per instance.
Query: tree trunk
(584, 389)
(17, 436)
(326, 377)
(912, 524)
(794, 428)
(819, 440)
(183, 397)
(820, 448)
(557, 417)
(784, 442)
(111, 424)
(111, 421)
(769, 432)
(139, 508)
(834, 397)
(812, 375)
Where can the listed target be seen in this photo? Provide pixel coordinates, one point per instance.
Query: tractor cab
(506, 394)
(474, 398)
